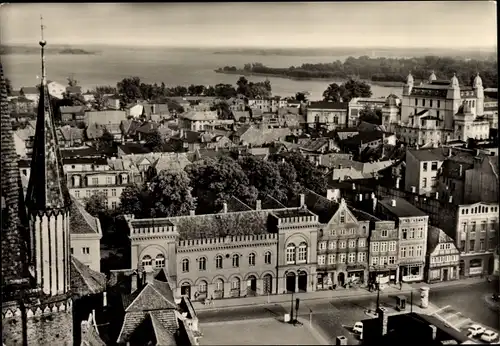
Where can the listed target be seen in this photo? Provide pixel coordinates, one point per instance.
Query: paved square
(268, 331)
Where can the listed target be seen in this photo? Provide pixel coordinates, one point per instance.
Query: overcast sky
(444, 24)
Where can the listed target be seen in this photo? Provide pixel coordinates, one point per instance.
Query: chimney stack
(461, 168)
(224, 207)
(360, 197)
(258, 205)
(340, 166)
(104, 299)
(393, 202)
(398, 179)
(192, 213)
(433, 331)
(302, 199)
(413, 189)
(437, 195)
(450, 199)
(353, 186)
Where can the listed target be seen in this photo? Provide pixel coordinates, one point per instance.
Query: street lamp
(378, 288)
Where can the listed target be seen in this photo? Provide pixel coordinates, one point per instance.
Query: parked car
(476, 330)
(358, 328)
(489, 336)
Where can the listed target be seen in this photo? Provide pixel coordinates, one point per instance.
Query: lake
(171, 66)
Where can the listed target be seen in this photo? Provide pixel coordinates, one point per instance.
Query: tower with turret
(477, 85)
(37, 308)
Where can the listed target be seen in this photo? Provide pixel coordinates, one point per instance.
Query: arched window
(160, 261)
(202, 263)
(251, 259)
(219, 285)
(202, 287)
(185, 265)
(267, 257)
(290, 253)
(218, 262)
(147, 261)
(302, 255)
(236, 261)
(316, 119)
(235, 284)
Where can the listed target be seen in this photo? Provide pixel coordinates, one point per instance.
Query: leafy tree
(99, 102)
(308, 175)
(134, 200)
(224, 91)
(353, 88)
(171, 193)
(73, 100)
(264, 175)
(215, 181)
(210, 91)
(301, 97)
(243, 87)
(106, 140)
(333, 93)
(289, 183)
(223, 110)
(372, 116)
(154, 141)
(129, 89)
(97, 204)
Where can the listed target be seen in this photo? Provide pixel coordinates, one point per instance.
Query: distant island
(7, 49)
(384, 71)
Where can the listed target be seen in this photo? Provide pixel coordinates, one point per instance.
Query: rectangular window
(423, 102)
(439, 103)
(425, 166)
(403, 252)
(362, 257)
(392, 259)
(109, 180)
(290, 255)
(352, 257)
(424, 183)
(88, 193)
(332, 232)
(352, 244)
(419, 250)
(481, 245)
(385, 233)
(85, 250)
(342, 218)
(95, 181)
(113, 205)
(302, 254)
(411, 251)
(405, 234)
(375, 247)
(392, 246)
(430, 101)
(72, 251)
(361, 242)
(483, 226)
(472, 246)
(342, 258)
(462, 245)
(322, 245)
(416, 102)
(113, 192)
(383, 246)
(383, 260)
(77, 193)
(321, 259)
(106, 191)
(437, 114)
(342, 244)
(412, 233)
(332, 245)
(434, 166)
(374, 261)
(331, 259)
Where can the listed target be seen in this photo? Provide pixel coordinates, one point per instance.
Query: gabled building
(332, 115)
(443, 257)
(72, 113)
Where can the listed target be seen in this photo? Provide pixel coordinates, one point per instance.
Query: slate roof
(134, 148)
(329, 105)
(221, 225)
(241, 114)
(364, 126)
(69, 133)
(312, 144)
(164, 337)
(172, 162)
(81, 221)
(129, 127)
(434, 154)
(403, 208)
(85, 281)
(241, 130)
(321, 206)
(199, 115)
(147, 128)
(72, 109)
(268, 202)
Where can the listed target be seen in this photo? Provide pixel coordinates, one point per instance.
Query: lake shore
(248, 73)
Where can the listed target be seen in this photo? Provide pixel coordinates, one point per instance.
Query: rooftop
(329, 105)
(286, 213)
(402, 208)
(434, 154)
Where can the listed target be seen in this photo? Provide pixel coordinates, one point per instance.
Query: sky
(447, 24)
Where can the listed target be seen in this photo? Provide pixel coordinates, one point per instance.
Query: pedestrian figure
(400, 285)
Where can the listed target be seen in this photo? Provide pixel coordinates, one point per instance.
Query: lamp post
(291, 309)
(378, 288)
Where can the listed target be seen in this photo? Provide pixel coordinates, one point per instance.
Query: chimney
(360, 197)
(181, 133)
(302, 199)
(450, 152)
(461, 168)
(433, 331)
(413, 189)
(437, 195)
(353, 186)
(192, 212)
(283, 160)
(224, 207)
(319, 160)
(382, 317)
(104, 299)
(258, 205)
(398, 179)
(393, 202)
(450, 199)
(340, 166)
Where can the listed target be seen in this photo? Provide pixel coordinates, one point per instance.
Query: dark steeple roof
(47, 188)
(12, 239)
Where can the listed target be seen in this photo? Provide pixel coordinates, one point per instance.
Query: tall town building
(437, 111)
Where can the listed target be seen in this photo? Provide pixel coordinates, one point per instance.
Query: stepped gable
(85, 281)
(221, 225)
(11, 196)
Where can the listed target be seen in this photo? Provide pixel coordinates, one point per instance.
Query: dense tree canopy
(265, 176)
(154, 141)
(170, 193)
(347, 91)
(134, 200)
(97, 204)
(372, 116)
(389, 69)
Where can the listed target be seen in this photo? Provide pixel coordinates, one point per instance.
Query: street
(335, 317)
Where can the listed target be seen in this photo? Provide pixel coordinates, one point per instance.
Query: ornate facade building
(438, 111)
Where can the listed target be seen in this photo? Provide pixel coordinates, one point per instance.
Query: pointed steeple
(48, 201)
(47, 186)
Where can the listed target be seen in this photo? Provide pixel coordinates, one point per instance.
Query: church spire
(48, 200)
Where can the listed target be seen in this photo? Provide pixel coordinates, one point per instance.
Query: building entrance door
(186, 290)
(445, 274)
(251, 285)
(268, 284)
(302, 281)
(290, 282)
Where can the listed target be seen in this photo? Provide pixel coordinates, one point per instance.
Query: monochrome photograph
(249, 173)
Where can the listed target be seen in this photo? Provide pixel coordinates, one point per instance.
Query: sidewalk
(339, 293)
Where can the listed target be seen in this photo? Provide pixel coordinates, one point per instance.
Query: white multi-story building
(440, 110)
